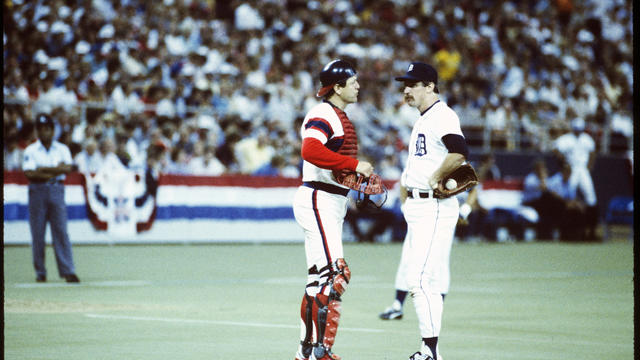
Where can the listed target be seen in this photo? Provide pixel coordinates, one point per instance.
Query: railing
(480, 136)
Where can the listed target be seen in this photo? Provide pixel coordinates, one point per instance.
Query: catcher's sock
(430, 345)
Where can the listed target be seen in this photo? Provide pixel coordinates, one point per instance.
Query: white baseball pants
(321, 216)
(431, 226)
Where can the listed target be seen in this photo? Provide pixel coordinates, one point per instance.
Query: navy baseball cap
(44, 120)
(419, 71)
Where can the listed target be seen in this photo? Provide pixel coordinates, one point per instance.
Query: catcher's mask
(371, 202)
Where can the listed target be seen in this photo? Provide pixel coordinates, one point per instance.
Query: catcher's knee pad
(336, 278)
(341, 276)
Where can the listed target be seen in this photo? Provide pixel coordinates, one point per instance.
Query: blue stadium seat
(619, 212)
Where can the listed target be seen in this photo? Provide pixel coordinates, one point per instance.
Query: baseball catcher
(461, 179)
(330, 170)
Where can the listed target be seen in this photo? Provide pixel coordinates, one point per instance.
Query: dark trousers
(46, 205)
(550, 210)
(572, 227)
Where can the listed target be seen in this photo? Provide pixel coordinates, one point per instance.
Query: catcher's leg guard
(306, 315)
(329, 310)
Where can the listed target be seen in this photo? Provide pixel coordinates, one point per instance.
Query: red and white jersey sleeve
(323, 124)
(426, 149)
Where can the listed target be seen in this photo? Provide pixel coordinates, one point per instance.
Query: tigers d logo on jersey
(421, 145)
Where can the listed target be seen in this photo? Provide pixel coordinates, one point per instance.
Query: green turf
(507, 301)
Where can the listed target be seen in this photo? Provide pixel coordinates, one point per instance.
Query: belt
(415, 194)
(318, 185)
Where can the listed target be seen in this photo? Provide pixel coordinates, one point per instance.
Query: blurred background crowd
(211, 87)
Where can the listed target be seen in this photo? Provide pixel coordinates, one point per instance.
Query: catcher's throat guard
(370, 202)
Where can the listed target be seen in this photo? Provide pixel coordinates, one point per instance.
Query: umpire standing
(45, 164)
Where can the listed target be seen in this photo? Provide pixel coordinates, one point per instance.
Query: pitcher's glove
(465, 178)
(372, 193)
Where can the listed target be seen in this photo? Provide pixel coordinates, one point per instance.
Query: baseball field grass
(507, 301)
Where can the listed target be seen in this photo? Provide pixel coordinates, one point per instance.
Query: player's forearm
(57, 170)
(38, 175)
(319, 155)
(451, 162)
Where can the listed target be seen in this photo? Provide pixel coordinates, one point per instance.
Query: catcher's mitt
(465, 177)
(372, 193)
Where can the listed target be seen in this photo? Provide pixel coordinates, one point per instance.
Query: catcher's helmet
(333, 73)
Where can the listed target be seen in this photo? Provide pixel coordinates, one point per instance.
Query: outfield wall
(189, 209)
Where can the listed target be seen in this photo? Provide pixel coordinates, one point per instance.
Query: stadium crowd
(214, 87)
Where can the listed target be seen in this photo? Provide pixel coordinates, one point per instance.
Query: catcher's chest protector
(349, 146)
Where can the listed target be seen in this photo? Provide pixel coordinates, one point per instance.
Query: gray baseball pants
(46, 204)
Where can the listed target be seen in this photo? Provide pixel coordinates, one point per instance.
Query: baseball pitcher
(437, 149)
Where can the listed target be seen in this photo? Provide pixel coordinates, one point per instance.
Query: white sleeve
(66, 155)
(450, 124)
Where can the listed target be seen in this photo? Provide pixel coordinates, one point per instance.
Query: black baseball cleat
(391, 314)
(41, 278)
(420, 356)
(72, 278)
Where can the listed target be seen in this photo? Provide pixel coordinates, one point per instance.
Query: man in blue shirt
(573, 224)
(537, 195)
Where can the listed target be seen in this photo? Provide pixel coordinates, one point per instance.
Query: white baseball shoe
(391, 313)
(419, 356)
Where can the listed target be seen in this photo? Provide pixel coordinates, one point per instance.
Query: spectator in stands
(12, 152)
(548, 205)
(487, 169)
(253, 152)
(273, 168)
(121, 149)
(447, 61)
(125, 100)
(178, 162)
(109, 161)
(578, 149)
(204, 161)
(89, 159)
(573, 224)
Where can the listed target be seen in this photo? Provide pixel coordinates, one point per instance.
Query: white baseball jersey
(426, 149)
(576, 150)
(322, 123)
